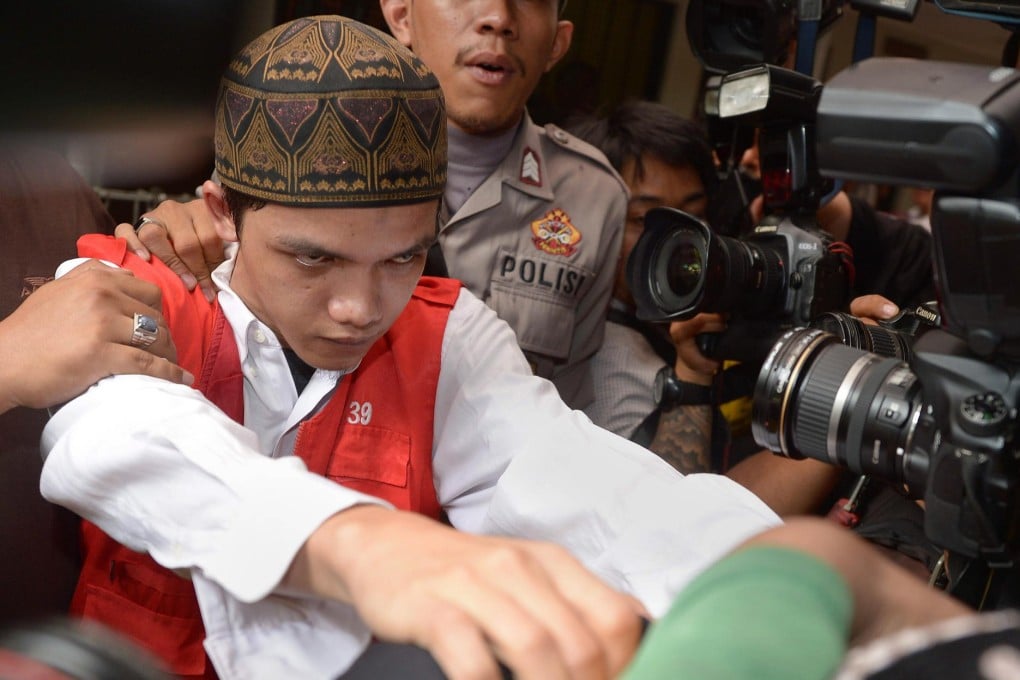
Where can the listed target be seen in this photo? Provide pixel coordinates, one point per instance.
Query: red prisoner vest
(374, 435)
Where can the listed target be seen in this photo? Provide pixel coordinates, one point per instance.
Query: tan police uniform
(538, 241)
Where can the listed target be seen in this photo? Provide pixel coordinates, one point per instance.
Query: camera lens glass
(679, 267)
(685, 269)
(817, 398)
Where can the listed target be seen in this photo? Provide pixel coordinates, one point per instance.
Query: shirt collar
(523, 168)
(243, 322)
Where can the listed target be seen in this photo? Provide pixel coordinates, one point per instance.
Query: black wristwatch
(669, 390)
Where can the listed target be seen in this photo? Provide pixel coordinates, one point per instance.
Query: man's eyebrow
(301, 245)
(423, 244)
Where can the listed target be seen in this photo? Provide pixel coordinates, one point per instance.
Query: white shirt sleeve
(512, 459)
(475, 432)
(162, 470)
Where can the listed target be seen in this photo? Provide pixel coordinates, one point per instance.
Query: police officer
(533, 217)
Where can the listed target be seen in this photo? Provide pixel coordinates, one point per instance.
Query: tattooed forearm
(684, 438)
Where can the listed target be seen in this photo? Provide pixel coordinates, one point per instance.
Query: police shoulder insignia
(531, 168)
(555, 234)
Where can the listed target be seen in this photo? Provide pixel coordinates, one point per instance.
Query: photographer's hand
(691, 364)
(835, 216)
(684, 432)
(871, 309)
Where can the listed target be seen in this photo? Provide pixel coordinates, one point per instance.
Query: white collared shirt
(162, 470)
(272, 406)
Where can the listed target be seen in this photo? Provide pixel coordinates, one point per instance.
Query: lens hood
(666, 268)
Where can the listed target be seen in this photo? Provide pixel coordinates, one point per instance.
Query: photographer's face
(487, 54)
(659, 185)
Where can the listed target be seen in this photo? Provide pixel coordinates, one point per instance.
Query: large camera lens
(679, 268)
(817, 398)
(852, 332)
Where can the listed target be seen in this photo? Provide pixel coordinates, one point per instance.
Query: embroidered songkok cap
(325, 111)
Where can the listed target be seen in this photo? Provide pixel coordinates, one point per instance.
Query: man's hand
(691, 365)
(871, 309)
(683, 436)
(836, 216)
(182, 235)
(469, 599)
(73, 331)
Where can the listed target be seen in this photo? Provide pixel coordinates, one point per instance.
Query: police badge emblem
(555, 234)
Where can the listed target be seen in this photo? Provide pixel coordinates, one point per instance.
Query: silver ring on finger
(145, 331)
(143, 220)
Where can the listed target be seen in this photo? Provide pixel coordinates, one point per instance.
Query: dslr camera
(944, 423)
(786, 272)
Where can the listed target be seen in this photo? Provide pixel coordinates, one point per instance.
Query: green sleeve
(763, 613)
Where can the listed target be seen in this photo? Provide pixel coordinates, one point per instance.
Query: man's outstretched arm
(163, 471)
(809, 581)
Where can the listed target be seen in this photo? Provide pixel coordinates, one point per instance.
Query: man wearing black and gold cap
(532, 217)
(347, 413)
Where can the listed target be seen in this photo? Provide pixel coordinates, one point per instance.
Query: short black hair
(239, 203)
(635, 128)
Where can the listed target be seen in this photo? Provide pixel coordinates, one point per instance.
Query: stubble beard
(483, 125)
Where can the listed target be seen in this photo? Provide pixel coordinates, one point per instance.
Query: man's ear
(397, 15)
(216, 204)
(561, 42)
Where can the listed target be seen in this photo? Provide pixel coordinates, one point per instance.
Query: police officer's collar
(525, 167)
(472, 158)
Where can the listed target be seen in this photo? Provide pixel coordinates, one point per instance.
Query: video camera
(945, 423)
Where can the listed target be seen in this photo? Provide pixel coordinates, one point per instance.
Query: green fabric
(762, 613)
